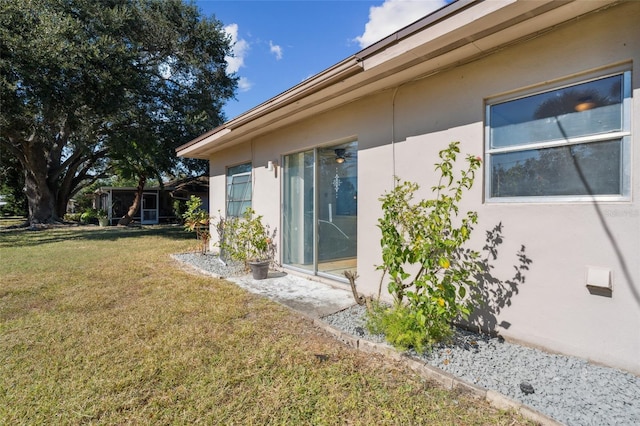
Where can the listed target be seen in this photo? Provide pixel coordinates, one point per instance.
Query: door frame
(313, 268)
(143, 209)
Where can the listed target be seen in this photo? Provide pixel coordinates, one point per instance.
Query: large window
(568, 143)
(238, 189)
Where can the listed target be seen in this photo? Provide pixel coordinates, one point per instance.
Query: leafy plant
(429, 271)
(179, 208)
(89, 215)
(197, 220)
(246, 238)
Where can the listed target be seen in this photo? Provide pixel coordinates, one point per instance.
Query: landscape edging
(446, 380)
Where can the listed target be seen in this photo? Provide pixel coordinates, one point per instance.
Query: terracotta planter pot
(259, 270)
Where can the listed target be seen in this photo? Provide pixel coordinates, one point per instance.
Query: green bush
(246, 238)
(89, 216)
(403, 329)
(430, 273)
(179, 208)
(197, 220)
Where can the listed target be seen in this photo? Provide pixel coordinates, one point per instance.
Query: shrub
(429, 271)
(246, 238)
(197, 220)
(89, 216)
(179, 208)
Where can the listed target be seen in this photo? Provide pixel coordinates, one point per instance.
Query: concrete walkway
(313, 298)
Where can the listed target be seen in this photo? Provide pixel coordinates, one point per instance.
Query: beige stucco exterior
(402, 124)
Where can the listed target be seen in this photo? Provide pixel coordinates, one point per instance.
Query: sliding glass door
(320, 209)
(298, 210)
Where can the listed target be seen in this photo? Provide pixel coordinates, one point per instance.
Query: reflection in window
(238, 189)
(565, 142)
(568, 170)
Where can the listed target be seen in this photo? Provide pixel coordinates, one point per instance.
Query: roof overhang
(460, 32)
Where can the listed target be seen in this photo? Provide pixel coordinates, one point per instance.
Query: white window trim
(624, 136)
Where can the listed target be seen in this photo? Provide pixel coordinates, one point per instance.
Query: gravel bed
(568, 389)
(211, 263)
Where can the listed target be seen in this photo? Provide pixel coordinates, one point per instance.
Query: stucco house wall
(400, 131)
(553, 307)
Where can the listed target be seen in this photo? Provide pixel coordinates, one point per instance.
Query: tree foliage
(89, 87)
(11, 185)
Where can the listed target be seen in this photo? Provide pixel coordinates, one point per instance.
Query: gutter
(428, 20)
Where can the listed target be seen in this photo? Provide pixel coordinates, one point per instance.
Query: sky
(278, 44)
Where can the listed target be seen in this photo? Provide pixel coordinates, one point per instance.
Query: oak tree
(89, 85)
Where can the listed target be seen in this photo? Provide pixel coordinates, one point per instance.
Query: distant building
(157, 204)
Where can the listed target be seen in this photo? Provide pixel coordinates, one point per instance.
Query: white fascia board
(436, 42)
(440, 33)
(543, 22)
(485, 26)
(310, 86)
(198, 148)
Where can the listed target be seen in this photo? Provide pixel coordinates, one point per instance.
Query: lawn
(101, 326)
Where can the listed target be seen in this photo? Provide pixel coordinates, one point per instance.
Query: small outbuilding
(158, 204)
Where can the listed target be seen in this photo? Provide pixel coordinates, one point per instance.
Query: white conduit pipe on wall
(393, 135)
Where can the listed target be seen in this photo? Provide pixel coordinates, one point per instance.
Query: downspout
(253, 175)
(393, 166)
(393, 135)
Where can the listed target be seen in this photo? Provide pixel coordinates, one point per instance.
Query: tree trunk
(40, 197)
(133, 209)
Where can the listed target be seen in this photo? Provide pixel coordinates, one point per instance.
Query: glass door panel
(320, 191)
(337, 208)
(298, 210)
(149, 210)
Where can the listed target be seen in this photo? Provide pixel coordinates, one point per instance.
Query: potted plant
(248, 240)
(103, 217)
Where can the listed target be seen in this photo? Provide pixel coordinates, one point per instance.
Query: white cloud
(393, 15)
(275, 49)
(244, 85)
(240, 49)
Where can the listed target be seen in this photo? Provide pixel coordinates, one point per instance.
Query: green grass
(101, 326)
(6, 221)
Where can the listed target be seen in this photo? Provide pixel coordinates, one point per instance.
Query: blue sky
(278, 44)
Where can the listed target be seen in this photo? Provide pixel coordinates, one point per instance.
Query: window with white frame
(238, 189)
(567, 143)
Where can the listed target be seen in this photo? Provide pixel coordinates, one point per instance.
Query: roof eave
(196, 148)
(459, 32)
